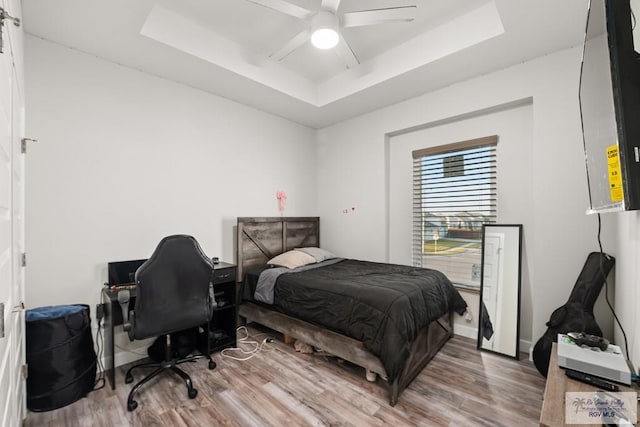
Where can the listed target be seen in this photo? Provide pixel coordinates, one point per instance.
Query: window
(454, 193)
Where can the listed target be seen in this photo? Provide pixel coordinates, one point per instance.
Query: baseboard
(465, 331)
(471, 332)
(121, 355)
(527, 347)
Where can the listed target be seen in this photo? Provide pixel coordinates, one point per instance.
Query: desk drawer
(224, 275)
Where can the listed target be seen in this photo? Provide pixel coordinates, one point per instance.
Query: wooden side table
(222, 329)
(553, 405)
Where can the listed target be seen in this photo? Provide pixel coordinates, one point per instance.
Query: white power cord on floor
(256, 346)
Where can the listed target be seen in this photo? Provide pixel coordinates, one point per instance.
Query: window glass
(454, 194)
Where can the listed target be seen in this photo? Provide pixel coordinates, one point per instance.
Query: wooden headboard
(261, 238)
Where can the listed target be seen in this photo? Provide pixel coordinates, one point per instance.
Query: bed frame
(260, 239)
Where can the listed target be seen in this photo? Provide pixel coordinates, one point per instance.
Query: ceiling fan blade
(331, 5)
(346, 53)
(300, 39)
(379, 16)
(284, 7)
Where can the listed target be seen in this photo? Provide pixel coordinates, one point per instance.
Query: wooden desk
(553, 405)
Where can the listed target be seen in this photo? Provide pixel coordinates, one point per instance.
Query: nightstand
(222, 326)
(553, 405)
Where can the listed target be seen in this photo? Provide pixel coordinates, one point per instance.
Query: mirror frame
(480, 337)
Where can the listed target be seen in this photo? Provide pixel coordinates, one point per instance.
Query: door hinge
(25, 371)
(23, 144)
(23, 259)
(5, 15)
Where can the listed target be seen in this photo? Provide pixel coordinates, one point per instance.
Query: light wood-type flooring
(279, 387)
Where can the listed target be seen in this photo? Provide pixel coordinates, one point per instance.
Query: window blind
(454, 194)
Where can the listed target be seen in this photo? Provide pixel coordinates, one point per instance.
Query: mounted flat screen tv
(610, 105)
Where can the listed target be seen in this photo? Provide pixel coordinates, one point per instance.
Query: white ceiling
(223, 47)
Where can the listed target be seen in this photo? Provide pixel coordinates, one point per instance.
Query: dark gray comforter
(382, 305)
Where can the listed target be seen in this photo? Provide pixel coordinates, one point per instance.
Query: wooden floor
(279, 387)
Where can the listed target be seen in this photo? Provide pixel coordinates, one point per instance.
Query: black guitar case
(576, 315)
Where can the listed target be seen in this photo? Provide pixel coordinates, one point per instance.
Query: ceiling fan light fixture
(325, 38)
(324, 30)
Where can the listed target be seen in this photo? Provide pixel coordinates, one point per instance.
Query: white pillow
(318, 254)
(292, 259)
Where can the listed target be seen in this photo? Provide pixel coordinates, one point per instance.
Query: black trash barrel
(60, 356)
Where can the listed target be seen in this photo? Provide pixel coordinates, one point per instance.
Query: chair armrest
(128, 324)
(127, 316)
(212, 300)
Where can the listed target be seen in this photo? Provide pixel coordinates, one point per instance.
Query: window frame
(488, 198)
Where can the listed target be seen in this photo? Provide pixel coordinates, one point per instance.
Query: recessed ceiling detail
(222, 47)
(188, 35)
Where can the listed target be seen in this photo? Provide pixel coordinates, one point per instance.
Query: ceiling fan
(324, 26)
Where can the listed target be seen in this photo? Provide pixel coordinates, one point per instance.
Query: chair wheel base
(193, 393)
(132, 405)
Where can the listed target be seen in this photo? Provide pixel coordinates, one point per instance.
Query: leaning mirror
(499, 319)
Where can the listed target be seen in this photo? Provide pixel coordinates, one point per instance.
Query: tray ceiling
(223, 47)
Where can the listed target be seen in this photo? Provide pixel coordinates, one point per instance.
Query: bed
(305, 306)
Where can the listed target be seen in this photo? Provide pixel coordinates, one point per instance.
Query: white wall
(627, 295)
(514, 126)
(353, 167)
(125, 158)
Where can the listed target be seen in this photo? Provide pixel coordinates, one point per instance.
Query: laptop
(123, 273)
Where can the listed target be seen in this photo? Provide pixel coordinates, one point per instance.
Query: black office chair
(174, 292)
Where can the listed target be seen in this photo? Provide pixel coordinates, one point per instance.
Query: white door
(12, 341)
